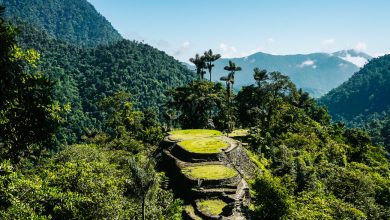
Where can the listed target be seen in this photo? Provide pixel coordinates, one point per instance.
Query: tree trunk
(143, 208)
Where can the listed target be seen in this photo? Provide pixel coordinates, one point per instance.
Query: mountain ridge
(73, 21)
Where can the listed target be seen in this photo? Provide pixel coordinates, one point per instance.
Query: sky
(238, 28)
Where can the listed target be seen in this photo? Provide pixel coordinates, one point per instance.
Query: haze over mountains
(316, 73)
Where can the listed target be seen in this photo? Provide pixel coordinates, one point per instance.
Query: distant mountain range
(316, 73)
(366, 92)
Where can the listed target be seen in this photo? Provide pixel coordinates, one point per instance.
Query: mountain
(364, 100)
(73, 21)
(83, 76)
(356, 57)
(365, 93)
(316, 73)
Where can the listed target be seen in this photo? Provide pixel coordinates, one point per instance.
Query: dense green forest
(309, 168)
(72, 21)
(80, 130)
(363, 101)
(84, 76)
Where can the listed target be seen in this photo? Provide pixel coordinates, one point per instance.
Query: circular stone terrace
(209, 145)
(181, 135)
(209, 172)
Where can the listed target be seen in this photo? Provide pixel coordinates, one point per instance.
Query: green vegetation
(73, 21)
(363, 101)
(209, 172)
(193, 134)
(83, 77)
(54, 94)
(212, 206)
(204, 145)
(191, 211)
(239, 133)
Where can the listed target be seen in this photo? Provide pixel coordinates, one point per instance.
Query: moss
(204, 145)
(239, 133)
(212, 206)
(209, 172)
(192, 134)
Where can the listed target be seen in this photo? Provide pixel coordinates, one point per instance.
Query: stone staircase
(212, 183)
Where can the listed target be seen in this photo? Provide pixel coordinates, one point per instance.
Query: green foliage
(28, 113)
(73, 21)
(83, 77)
(84, 182)
(311, 169)
(200, 104)
(363, 100)
(271, 198)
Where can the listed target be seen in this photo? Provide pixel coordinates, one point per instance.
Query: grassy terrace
(192, 134)
(239, 133)
(212, 206)
(191, 211)
(209, 172)
(204, 145)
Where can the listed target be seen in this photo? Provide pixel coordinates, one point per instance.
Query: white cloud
(308, 63)
(361, 46)
(358, 61)
(183, 48)
(228, 51)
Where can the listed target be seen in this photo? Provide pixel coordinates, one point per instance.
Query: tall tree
(229, 79)
(232, 68)
(200, 64)
(28, 114)
(210, 58)
(144, 179)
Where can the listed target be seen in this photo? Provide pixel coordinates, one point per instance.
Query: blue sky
(237, 28)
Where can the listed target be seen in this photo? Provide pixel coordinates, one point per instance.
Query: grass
(193, 133)
(209, 172)
(191, 211)
(212, 206)
(239, 133)
(204, 145)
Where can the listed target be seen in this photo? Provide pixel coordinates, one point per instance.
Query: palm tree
(200, 64)
(144, 179)
(260, 75)
(232, 68)
(210, 58)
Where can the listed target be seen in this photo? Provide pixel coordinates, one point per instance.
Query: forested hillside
(84, 76)
(364, 100)
(73, 21)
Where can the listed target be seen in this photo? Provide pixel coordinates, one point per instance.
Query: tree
(197, 103)
(28, 113)
(144, 178)
(229, 79)
(260, 75)
(209, 59)
(200, 64)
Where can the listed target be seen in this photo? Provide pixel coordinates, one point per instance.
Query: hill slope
(364, 100)
(84, 76)
(365, 93)
(73, 21)
(316, 73)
